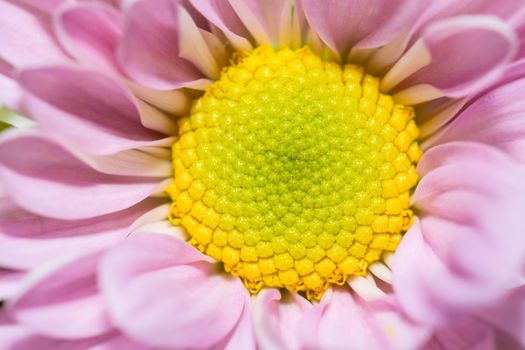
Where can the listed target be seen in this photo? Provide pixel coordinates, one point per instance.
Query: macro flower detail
(262, 174)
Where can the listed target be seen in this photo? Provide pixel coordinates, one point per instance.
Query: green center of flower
(294, 172)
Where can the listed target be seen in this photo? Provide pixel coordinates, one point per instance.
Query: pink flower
(98, 251)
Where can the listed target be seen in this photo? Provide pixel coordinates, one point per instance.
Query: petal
(17, 337)
(10, 93)
(435, 11)
(28, 241)
(149, 50)
(263, 18)
(62, 300)
(25, 40)
(360, 23)
(468, 333)
(242, 337)
(86, 109)
(509, 314)
(495, 118)
(194, 47)
(45, 178)
(342, 319)
(9, 282)
(149, 275)
(460, 233)
(339, 320)
(277, 319)
(465, 53)
(221, 14)
(90, 33)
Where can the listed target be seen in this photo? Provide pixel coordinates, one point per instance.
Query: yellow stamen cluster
(294, 172)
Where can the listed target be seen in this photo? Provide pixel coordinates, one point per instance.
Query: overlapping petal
(26, 40)
(63, 301)
(90, 33)
(278, 318)
(29, 241)
(344, 25)
(149, 50)
(454, 57)
(495, 118)
(86, 109)
(45, 178)
(151, 274)
(460, 235)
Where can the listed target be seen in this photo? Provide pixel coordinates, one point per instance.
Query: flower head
(262, 174)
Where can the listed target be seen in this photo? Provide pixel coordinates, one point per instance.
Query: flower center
(294, 172)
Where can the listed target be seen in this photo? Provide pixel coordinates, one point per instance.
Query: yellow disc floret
(294, 172)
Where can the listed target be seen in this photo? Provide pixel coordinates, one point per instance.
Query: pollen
(294, 172)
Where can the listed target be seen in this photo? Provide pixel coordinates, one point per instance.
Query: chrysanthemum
(242, 174)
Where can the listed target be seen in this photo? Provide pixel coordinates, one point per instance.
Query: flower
(239, 174)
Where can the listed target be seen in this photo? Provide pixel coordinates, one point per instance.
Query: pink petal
(85, 108)
(221, 14)
(242, 337)
(90, 33)
(9, 282)
(28, 240)
(467, 53)
(277, 319)
(263, 18)
(42, 5)
(338, 321)
(17, 337)
(463, 334)
(25, 40)
(45, 178)
(10, 93)
(342, 320)
(495, 118)
(434, 11)
(63, 301)
(149, 50)
(460, 233)
(149, 275)
(360, 23)
(509, 315)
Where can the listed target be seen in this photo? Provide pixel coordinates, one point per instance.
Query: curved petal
(509, 315)
(343, 25)
(90, 33)
(339, 320)
(149, 275)
(62, 300)
(465, 55)
(25, 40)
(28, 241)
(149, 50)
(495, 118)
(15, 336)
(435, 11)
(9, 282)
(468, 333)
(47, 6)
(342, 319)
(10, 92)
(465, 226)
(87, 109)
(45, 178)
(263, 18)
(277, 319)
(222, 15)
(242, 337)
